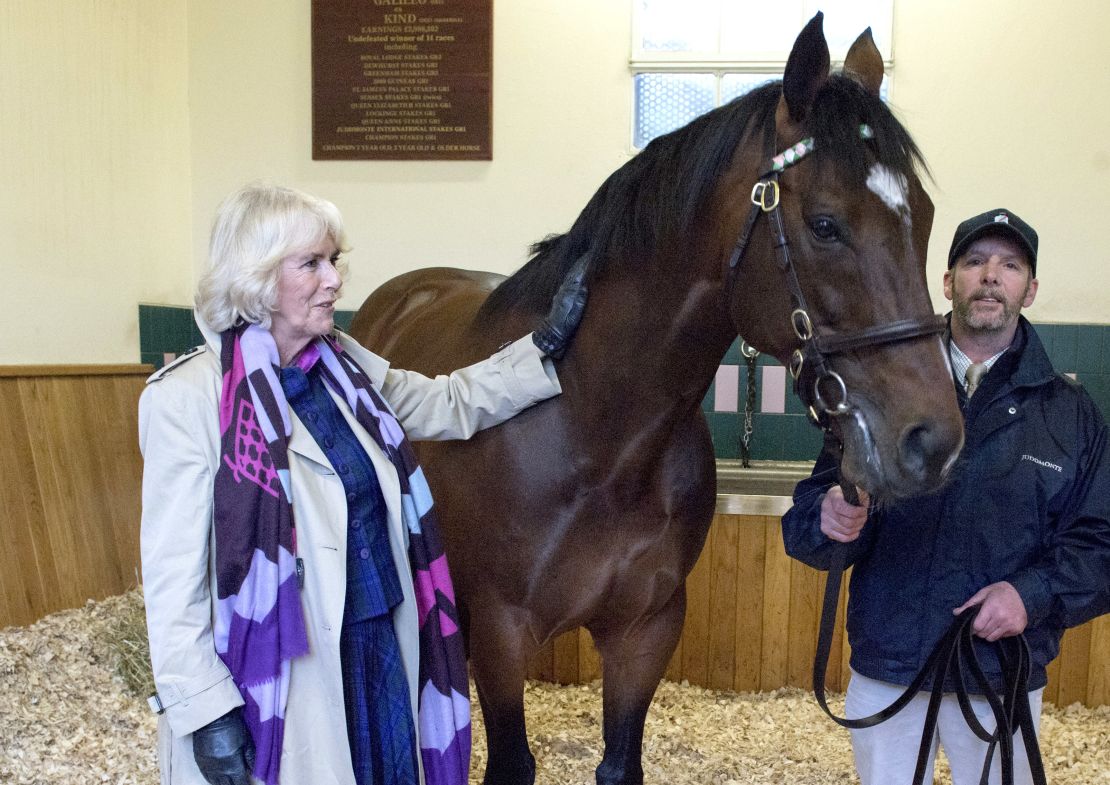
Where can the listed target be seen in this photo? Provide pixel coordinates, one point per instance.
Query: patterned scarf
(259, 623)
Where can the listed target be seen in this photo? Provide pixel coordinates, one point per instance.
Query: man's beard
(993, 321)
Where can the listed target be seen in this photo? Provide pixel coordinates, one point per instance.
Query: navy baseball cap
(999, 222)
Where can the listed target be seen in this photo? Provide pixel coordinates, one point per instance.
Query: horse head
(837, 290)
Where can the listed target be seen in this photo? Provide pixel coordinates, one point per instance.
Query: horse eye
(825, 229)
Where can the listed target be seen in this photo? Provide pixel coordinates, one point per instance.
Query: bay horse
(590, 509)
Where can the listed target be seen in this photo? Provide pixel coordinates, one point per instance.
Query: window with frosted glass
(690, 56)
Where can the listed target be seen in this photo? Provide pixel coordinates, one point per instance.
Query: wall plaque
(402, 79)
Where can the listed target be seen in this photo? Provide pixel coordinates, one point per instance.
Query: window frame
(719, 64)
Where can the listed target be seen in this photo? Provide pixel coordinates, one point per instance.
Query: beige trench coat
(179, 438)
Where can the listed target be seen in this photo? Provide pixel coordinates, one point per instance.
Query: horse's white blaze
(891, 187)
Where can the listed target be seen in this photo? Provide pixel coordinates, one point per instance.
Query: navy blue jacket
(1028, 502)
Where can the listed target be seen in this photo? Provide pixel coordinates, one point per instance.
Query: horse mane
(654, 199)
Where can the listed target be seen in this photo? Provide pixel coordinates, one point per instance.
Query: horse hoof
(523, 774)
(614, 775)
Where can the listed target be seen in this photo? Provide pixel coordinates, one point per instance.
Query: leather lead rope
(953, 655)
(809, 367)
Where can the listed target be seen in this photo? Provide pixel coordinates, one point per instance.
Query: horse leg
(499, 655)
(633, 663)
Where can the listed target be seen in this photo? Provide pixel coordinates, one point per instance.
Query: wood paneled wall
(751, 624)
(70, 486)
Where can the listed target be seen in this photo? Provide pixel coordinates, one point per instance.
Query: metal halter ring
(748, 350)
(797, 360)
(803, 326)
(759, 194)
(841, 406)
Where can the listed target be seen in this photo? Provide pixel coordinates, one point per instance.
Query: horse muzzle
(892, 462)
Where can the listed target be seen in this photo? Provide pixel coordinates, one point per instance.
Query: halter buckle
(802, 324)
(834, 408)
(760, 195)
(797, 360)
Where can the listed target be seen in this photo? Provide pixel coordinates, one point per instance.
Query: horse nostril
(924, 450)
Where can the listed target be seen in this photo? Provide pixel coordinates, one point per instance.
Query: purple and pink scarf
(260, 625)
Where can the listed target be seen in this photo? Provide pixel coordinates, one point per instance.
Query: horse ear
(864, 63)
(806, 69)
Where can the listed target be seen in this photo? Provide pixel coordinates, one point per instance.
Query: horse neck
(655, 337)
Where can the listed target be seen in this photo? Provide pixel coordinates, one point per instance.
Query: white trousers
(886, 754)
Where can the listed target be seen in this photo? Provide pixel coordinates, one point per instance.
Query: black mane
(653, 200)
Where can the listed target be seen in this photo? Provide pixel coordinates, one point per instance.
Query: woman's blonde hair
(255, 228)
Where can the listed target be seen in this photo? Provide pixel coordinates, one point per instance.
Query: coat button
(351, 497)
(356, 524)
(364, 553)
(1013, 410)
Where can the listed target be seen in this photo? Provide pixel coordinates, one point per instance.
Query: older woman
(301, 619)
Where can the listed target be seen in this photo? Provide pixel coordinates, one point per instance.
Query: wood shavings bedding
(65, 717)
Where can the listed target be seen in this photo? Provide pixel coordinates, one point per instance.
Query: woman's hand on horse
(567, 306)
(841, 520)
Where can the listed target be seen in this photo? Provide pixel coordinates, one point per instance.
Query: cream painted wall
(126, 121)
(94, 165)
(1010, 102)
(1005, 97)
(561, 119)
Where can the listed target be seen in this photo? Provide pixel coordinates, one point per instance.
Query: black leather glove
(554, 333)
(224, 751)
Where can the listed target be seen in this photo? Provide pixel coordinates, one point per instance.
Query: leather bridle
(810, 370)
(819, 387)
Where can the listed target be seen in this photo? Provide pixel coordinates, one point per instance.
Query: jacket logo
(1040, 462)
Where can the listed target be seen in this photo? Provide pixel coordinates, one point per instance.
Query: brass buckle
(803, 326)
(760, 195)
(797, 362)
(832, 408)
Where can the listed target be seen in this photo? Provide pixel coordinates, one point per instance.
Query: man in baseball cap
(992, 275)
(999, 537)
(1001, 222)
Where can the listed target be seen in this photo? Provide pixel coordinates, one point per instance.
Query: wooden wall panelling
(566, 658)
(776, 610)
(1052, 689)
(589, 661)
(542, 666)
(1075, 661)
(70, 483)
(805, 586)
(27, 595)
(61, 437)
(722, 604)
(842, 635)
(50, 554)
(118, 467)
(1098, 685)
(695, 632)
(751, 555)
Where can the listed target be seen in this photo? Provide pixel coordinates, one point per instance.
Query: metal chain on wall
(750, 356)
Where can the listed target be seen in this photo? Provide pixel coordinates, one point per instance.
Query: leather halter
(811, 373)
(820, 388)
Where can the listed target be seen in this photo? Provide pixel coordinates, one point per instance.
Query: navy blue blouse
(373, 586)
